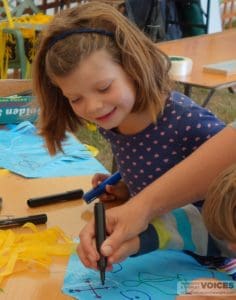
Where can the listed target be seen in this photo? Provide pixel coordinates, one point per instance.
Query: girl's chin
(107, 127)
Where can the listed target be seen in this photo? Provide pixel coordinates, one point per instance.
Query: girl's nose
(93, 105)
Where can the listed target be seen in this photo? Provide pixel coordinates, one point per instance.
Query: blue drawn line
(118, 267)
(136, 296)
(91, 289)
(151, 280)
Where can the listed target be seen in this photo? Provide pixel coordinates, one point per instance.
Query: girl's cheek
(77, 111)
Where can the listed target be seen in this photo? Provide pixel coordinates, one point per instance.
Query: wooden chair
(228, 13)
(54, 6)
(18, 59)
(19, 22)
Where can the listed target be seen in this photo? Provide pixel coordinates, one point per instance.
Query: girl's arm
(186, 182)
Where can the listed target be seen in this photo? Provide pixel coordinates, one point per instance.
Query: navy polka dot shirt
(182, 128)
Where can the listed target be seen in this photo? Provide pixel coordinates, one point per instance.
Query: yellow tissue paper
(34, 247)
(92, 149)
(4, 172)
(91, 126)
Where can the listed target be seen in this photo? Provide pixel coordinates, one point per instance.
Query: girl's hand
(118, 192)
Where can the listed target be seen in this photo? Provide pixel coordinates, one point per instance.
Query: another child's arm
(118, 192)
(186, 182)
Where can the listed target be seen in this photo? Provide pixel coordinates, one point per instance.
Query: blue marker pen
(100, 189)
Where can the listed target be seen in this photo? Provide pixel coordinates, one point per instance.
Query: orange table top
(204, 49)
(70, 217)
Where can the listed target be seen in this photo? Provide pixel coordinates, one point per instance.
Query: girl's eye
(74, 100)
(105, 88)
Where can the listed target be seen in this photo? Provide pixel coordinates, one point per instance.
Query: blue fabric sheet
(160, 275)
(23, 152)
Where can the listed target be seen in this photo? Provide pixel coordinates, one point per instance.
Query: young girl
(94, 65)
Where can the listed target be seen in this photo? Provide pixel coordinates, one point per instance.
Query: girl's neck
(136, 123)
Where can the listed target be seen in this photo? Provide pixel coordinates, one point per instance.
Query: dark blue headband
(67, 33)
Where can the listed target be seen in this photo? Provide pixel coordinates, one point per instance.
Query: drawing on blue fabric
(91, 287)
(153, 280)
(149, 280)
(98, 291)
(33, 165)
(116, 268)
(23, 152)
(135, 295)
(94, 286)
(141, 283)
(147, 277)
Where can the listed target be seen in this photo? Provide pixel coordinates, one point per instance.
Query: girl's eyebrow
(71, 97)
(107, 80)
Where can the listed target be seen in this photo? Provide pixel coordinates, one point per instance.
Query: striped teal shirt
(181, 229)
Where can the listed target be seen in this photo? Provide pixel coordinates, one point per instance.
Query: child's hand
(118, 192)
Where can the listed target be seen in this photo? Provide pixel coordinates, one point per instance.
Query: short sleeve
(197, 125)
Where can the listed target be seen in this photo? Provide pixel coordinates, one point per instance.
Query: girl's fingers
(87, 247)
(107, 198)
(98, 178)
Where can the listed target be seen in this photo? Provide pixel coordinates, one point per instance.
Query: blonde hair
(129, 47)
(219, 209)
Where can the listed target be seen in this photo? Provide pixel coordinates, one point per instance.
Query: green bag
(191, 17)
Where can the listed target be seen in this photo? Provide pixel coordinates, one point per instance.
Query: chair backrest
(11, 8)
(16, 47)
(52, 7)
(17, 8)
(228, 14)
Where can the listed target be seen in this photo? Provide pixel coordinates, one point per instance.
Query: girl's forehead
(97, 57)
(99, 63)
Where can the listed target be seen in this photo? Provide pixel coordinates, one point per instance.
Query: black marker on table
(75, 194)
(51, 199)
(100, 233)
(13, 222)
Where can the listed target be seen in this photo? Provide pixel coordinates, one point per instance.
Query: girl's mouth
(106, 116)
